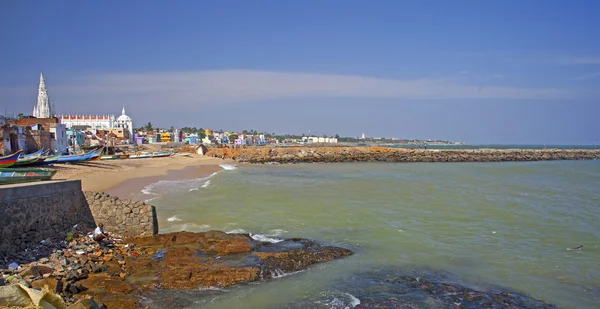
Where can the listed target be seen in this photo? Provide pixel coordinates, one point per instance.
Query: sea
(528, 227)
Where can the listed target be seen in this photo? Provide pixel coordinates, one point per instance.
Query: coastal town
(299, 154)
(67, 134)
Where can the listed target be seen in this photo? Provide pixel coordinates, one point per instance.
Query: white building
(92, 121)
(318, 139)
(124, 122)
(100, 122)
(43, 109)
(59, 143)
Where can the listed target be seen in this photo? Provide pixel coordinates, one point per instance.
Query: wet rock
(295, 254)
(86, 303)
(395, 289)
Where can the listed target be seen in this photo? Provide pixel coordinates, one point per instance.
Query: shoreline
(124, 178)
(132, 187)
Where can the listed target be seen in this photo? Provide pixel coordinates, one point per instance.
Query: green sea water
(505, 224)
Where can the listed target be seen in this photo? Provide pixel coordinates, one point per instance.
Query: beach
(124, 177)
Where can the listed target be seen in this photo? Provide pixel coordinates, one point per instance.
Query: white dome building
(124, 122)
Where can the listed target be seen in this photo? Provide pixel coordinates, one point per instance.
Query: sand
(124, 177)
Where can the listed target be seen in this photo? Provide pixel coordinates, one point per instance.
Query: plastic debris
(159, 254)
(80, 252)
(13, 265)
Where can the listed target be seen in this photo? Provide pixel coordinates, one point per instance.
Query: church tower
(43, 109)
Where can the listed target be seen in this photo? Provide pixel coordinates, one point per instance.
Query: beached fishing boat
(28, 160)
(10, 159)
(97, 154)
(75, 158)
(110, 157)
(37, 153)
(141, 155)
(19, 175)
(46, 160)
(160, 154)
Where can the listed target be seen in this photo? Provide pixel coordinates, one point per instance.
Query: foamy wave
(237, 231)
(177, 185)
(353, 300)
(147, 189)
(344, 300)
(265, 238)
(228, 167)
(173, 218)
(278, 273)
(275, 232)
(212, 288)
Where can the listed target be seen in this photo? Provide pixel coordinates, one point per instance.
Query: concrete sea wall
(383, 154)
(32, 212)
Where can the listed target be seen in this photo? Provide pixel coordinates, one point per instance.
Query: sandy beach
(122, 177)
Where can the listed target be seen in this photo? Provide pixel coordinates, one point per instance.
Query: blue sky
(473, 71)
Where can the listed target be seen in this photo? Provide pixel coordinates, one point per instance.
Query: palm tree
(148, 126)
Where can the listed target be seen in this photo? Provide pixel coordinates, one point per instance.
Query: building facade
(91, 121)
(105, 122)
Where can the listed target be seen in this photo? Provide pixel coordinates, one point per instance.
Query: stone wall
(32, 212)
(124, 217)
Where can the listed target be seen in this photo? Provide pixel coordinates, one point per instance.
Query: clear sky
(473, 71)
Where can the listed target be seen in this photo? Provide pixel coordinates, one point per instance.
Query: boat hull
(9, 160)
(75, 158)
(20, 175)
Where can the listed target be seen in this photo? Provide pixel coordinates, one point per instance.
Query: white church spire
(123, 112)
(43, 109)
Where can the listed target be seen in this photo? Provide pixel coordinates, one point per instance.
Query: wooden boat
(47, 160)
(160, 154)
(142, 155)
(97, 154)
(28, 160)
(19, 175)
(75, 158)
(110, 157)
(37, 153)
(10, 159)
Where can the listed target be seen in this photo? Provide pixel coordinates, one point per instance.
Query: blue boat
(76, 158)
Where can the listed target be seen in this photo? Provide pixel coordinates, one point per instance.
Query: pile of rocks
(64, 264)
(117, 273)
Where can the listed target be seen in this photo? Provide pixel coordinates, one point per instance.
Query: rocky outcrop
(118, 273)
(382, 154)
(395, 289)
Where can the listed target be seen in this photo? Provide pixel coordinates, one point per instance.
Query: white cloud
(588, 76)
(211, 87)
(583, 60)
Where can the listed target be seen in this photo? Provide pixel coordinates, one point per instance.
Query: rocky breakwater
(383, 154)
(118, 273)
